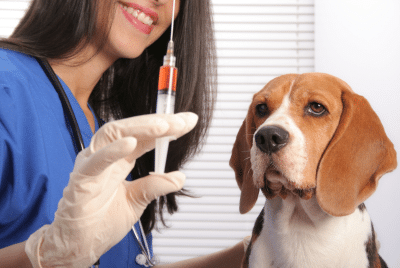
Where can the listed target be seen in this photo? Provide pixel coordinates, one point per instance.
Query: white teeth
(148, 21)
(139, 15)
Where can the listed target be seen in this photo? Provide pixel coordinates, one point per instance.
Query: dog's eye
(316, 109)
(262, 110)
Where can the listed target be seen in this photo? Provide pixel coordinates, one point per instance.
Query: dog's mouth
(276, 183)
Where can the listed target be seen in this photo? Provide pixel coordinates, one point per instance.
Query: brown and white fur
(316, 150)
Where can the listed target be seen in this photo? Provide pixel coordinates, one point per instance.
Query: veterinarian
(66, 63)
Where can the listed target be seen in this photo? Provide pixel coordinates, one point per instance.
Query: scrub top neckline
(83, 123)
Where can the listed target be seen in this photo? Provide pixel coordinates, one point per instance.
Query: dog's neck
(293, 211)
(299, 231)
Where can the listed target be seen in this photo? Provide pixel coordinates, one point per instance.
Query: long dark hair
(60, 29)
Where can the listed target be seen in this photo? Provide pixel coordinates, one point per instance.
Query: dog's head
(311, 134)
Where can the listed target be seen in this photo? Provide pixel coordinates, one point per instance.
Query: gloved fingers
(144, 128)
(190, 122)
(144, 190)
(96, 163)
(173, 133)
(246, 242)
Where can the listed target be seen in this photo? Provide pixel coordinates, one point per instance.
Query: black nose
(271, 139)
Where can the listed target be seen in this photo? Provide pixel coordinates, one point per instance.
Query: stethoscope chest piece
(142, 260)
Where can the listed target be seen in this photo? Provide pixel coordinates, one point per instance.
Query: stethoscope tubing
(68, 112)
(145, 249)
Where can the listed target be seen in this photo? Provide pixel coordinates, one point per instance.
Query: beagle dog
(316, 150)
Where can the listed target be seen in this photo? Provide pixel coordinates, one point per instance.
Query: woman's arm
(227, 258)
(15, 256)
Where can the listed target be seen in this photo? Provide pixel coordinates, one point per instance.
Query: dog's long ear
(355, 159)
(240, 163)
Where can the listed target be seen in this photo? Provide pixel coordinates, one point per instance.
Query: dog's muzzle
(269, 140)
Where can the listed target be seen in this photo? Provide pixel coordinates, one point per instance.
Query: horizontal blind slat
(10, 14)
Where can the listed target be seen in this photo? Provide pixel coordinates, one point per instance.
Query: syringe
(166, 98)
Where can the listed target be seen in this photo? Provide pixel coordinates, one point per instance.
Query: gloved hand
(99, 206)
(246, 242)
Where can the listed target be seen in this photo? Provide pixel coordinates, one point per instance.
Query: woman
(106, 58)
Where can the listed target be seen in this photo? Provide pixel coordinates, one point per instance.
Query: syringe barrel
(165, 105)
(165, 102)
(166, 92)
(164, 78)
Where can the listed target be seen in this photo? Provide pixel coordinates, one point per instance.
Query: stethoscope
(143, 258)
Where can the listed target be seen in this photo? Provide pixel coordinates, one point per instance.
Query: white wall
(359, 42)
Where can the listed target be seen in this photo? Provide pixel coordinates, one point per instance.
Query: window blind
(11, 11)
(256, 41)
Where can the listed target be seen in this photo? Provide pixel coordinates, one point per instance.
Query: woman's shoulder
(21, 86)
(16, 65)
(20, 76)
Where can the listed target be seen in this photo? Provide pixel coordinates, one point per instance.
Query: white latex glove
(246, 242)
(99, 206)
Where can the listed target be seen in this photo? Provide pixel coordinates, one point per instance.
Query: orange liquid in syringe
(163, 80)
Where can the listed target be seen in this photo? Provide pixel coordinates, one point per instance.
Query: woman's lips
(142, 27)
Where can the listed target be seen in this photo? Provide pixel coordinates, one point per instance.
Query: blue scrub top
(37, 154)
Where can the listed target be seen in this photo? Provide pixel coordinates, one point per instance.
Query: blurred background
(257, 40)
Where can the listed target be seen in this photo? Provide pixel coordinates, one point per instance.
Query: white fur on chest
(296, 233)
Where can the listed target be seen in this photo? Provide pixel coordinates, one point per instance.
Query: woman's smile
(138, 24)
(140, 17)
